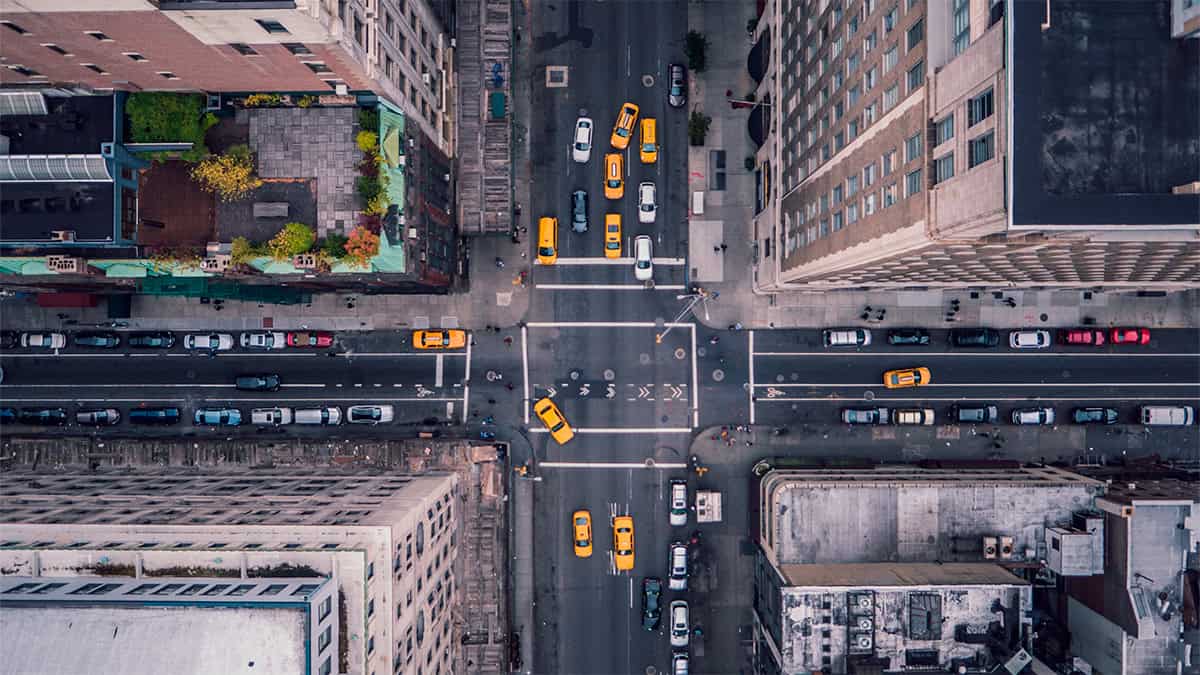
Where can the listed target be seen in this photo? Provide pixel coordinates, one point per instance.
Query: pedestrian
(716, 249)
(491, 401)
(508, 340)
(728, 93)
(723, 247)
(864, 316)
(509, 386)
(500, 263)
(749, 443)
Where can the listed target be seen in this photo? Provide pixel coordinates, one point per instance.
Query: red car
(1081, 336)
(1134, 336)
(310, 339)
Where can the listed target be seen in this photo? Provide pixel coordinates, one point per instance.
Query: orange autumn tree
(361, 246)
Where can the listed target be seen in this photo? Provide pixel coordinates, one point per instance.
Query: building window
(824, 228)
(852, 27)
(890, 58)
(837, 221)
(839, 141)
(824, 207)
(297, 48)
(869, 42)
(825, 152)
(836, 195)
(869, 173)
(326, 667)
(889, 195)
(325, 638)
(14, 27)
(912, 183)
(891, 96)
(851, 186)
(916, 76)
(916, 33)
(945, 129)
(839, 109)
(912, 148)
(981, 150)
(889, 20)
(167, 75)
(98, 35)
(869, 204)
(979, 108)
(852, 62)
(852, 214)
(838, 80)
(325, 608)
(134, 56)
(94, 68)
(852, 130)
(27, 72)
(889, 161)
(318, 67)
(869, 113)
(852, 95)
(271, 26)
(943, 168)
(57, 50)
(836, 48)
(962, 25)
(243, 49)
(869, 79)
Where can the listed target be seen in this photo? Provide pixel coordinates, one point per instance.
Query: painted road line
(649, 464)
(206, 355)
(164, 385)
(881, 401)
(998, 385)
(613, 430)
(750, 391)
(437, 371)
(350, 355)
(604, 324)
(612, 262)
(466, 398)
(695, 383)
(920, 354)
(609, 287)
(525, 369)
(234, 399)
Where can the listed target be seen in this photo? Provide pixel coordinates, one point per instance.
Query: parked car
(213, 342)
(310, 338)
(975, 414)
(269, 382)
(1029, 339)
(9, 416)
(679, 663)
(913, 416)
(370, 414)
(439, 339)
(908, 337)
(43, 340)
(846, 337)
(681, 627)
(43, 416)
(152, 340)
(155, 416)
(104, 417)
(1167, 415)
(676, 85)
(271, 416)
(324, 416)
(651, 602)
(678, 556)
(1094, 416)
(643, 258)
(581, 149)
(974, 337)
(581, 533)
(865, 415)
(264, 340)
(1130, 336)
(647, 202)
(1081, 336)
(679, 503)
(218, 417)
(579, 211)
(1033, 416)
(97, 340)
(9, 339)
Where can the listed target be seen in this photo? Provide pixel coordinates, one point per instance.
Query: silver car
(647, 202)
(98, 418)
(1033, 416)
(679, 567)
(44, 340)
(264, 340)
(679, 507)
(213, 342)
(680, 626)
(581, 149)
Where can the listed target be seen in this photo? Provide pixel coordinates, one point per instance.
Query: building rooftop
(1100, 137)
(71, 125)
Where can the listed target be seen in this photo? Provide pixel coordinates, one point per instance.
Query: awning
(760, 57)
(759, 124)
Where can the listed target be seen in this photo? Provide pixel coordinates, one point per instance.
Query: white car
(680, 626)
(267, 340)
(1033, 416)
(679, 572)
(679, 507)
(369, 414)
(1029, 339)
(643, 259)
(44, 340)
(679, 664)
(271, 416)
(214, 342)
(647, 202)
(581, 149)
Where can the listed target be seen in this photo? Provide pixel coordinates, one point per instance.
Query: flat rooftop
(72, 125)
(29, 212)
(1105, 105)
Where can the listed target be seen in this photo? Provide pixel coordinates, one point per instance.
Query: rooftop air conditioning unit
(66, 264)
(990, 548)
(425, 78)
(454, 42)
(863, 641)
(305, 261)
(341, 89)
(412, 233)
(865, 623)
(217, 263)
(62, 235)
(402, 160)
(446, 177)
(1006, 548)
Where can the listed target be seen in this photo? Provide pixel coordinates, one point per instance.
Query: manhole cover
(779, 377)
(718, 375)
(869, 396)
(582, 112)
(644, 359)
(649, 462)
(795, 376)
(647, 81)
(609, 375)
(574, 374)
(663, 419)
(680, 353)
(556, 76)
(701, 351)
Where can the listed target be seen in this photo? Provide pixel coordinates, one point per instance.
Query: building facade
(901, 150)
(386, 544)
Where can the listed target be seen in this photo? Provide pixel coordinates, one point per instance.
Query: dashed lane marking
(610, 287)
(611, 465)
(612, 262)
(614, 430)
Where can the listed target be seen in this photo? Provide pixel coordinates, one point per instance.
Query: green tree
(695, 46)
(293, 239)
(334, 245)
(165, 117)
(698, 125)
(230, 176)
(242, 251)
(367, 141)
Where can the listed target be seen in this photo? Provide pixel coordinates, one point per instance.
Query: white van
(1168, 415)
(846, 337)
(326, 416)
(271, 416)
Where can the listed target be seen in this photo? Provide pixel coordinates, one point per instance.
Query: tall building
(332, 573)
(906, 143)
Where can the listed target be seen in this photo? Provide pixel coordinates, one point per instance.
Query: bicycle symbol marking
(772, 392)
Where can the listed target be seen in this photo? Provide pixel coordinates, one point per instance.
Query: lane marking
(612, 262)
(604, 324)
(609, 287)
(235, 399)
(963, 400)
(525, 369)
(695, 383)
(152, 386)
(920, 354)
(610, 465)
(350, 355)
(750, 392)
(466, 398)
(1065, 385)
(614, 430)
(437, 371)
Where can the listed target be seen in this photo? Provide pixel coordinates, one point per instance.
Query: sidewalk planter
(698, 125)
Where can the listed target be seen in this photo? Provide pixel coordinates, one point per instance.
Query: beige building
(903, 151)
(374, 551)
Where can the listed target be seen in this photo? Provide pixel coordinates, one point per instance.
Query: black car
(976, 414)
(97, 340)
(154, 416)
(908, 336)
(43, 416)
(9, 339)
(8, 415)
(651, 602)
(257, 382)
(579, 211)
(677, 91)
(156, 340)
(974, 337)
(1094, 416)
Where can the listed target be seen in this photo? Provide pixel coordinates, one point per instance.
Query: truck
(708, 506)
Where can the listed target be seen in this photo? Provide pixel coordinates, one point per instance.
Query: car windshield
(648, 147)
(622, 132)
(366, 414)
(676, 90)
(581, 146)
(546, 250)
(614, 182)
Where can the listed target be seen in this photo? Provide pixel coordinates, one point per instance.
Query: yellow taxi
(614, 176)
(581, 524)
(623, 129)
(439, 339)
(906, 377)
(649, 147)
(612, 235)
(552, 417)
(547, 252)
(623, 542)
